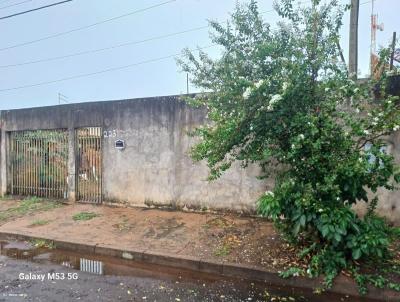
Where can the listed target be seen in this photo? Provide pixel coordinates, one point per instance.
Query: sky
(148, 75)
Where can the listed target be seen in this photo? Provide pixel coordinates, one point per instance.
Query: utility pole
(353, 42)
(187, 83)
(393, 50)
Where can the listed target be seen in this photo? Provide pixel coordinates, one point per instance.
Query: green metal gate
(38, 163)
(89, 164)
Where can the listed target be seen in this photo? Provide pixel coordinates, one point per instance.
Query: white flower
(358, 110)
(269, 193)
(293, 146)
(395, 128)
(301, 136)
(337, 198)
(327, 89)
(308, 271)
(360, 159)
(374, 123)
(268, 60)
(356, 90)
(376, 119)
(247, 93)
(389, 102)
(366, 132)
(275, 98)
(270, 108)
(320, 210)
(380, 114)
(285, 86)
(251, 128)
(259, 83)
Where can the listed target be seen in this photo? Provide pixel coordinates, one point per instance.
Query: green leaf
(356, 254)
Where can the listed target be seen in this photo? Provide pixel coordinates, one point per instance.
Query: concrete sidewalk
(221, 244)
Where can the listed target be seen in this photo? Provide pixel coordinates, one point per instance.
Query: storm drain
(91, 266)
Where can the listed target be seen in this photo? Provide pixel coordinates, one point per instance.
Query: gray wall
(155, 167)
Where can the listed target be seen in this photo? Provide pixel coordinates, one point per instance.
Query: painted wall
(155, 167)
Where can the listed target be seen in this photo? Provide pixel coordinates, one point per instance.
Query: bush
(281, 98)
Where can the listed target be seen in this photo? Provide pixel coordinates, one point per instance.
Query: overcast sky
(161, 77)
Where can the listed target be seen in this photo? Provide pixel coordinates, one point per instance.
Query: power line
(112, 47)
(83, 75)
(104, 48)
(86, 26)
(34, 9)
(15, 4)
(2, 1)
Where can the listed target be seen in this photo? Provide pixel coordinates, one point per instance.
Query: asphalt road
(83, 286)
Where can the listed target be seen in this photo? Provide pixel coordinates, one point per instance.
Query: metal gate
(38, 163)
(89, 164)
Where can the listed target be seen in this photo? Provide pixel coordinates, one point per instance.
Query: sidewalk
(222, 244)
(220, 238)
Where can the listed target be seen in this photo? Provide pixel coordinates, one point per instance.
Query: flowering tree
(280, 97)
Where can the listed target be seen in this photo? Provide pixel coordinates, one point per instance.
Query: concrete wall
(155, 167)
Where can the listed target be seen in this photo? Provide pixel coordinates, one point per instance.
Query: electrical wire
(80, 53)
(112, 47)
(34, 9)
(84, 75)
(86, 26)
(107, 48)
(15, 4)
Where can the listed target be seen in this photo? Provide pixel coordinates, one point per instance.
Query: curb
(343, 285)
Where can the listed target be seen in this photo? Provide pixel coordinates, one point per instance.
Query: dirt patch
(164, 228)
(226, 238)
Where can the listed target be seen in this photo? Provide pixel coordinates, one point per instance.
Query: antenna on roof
(62, 98)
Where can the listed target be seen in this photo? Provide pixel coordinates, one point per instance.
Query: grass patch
(28, 206)
(6, 197)
(124, 225)
(218, 222)
(223, 250)
(40, 222)
(42, 243)
(84, 216)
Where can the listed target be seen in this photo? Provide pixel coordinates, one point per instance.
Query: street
(92, 287)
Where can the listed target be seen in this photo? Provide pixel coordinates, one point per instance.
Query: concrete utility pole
(187, 83)
(393, 50)
(353, 43)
